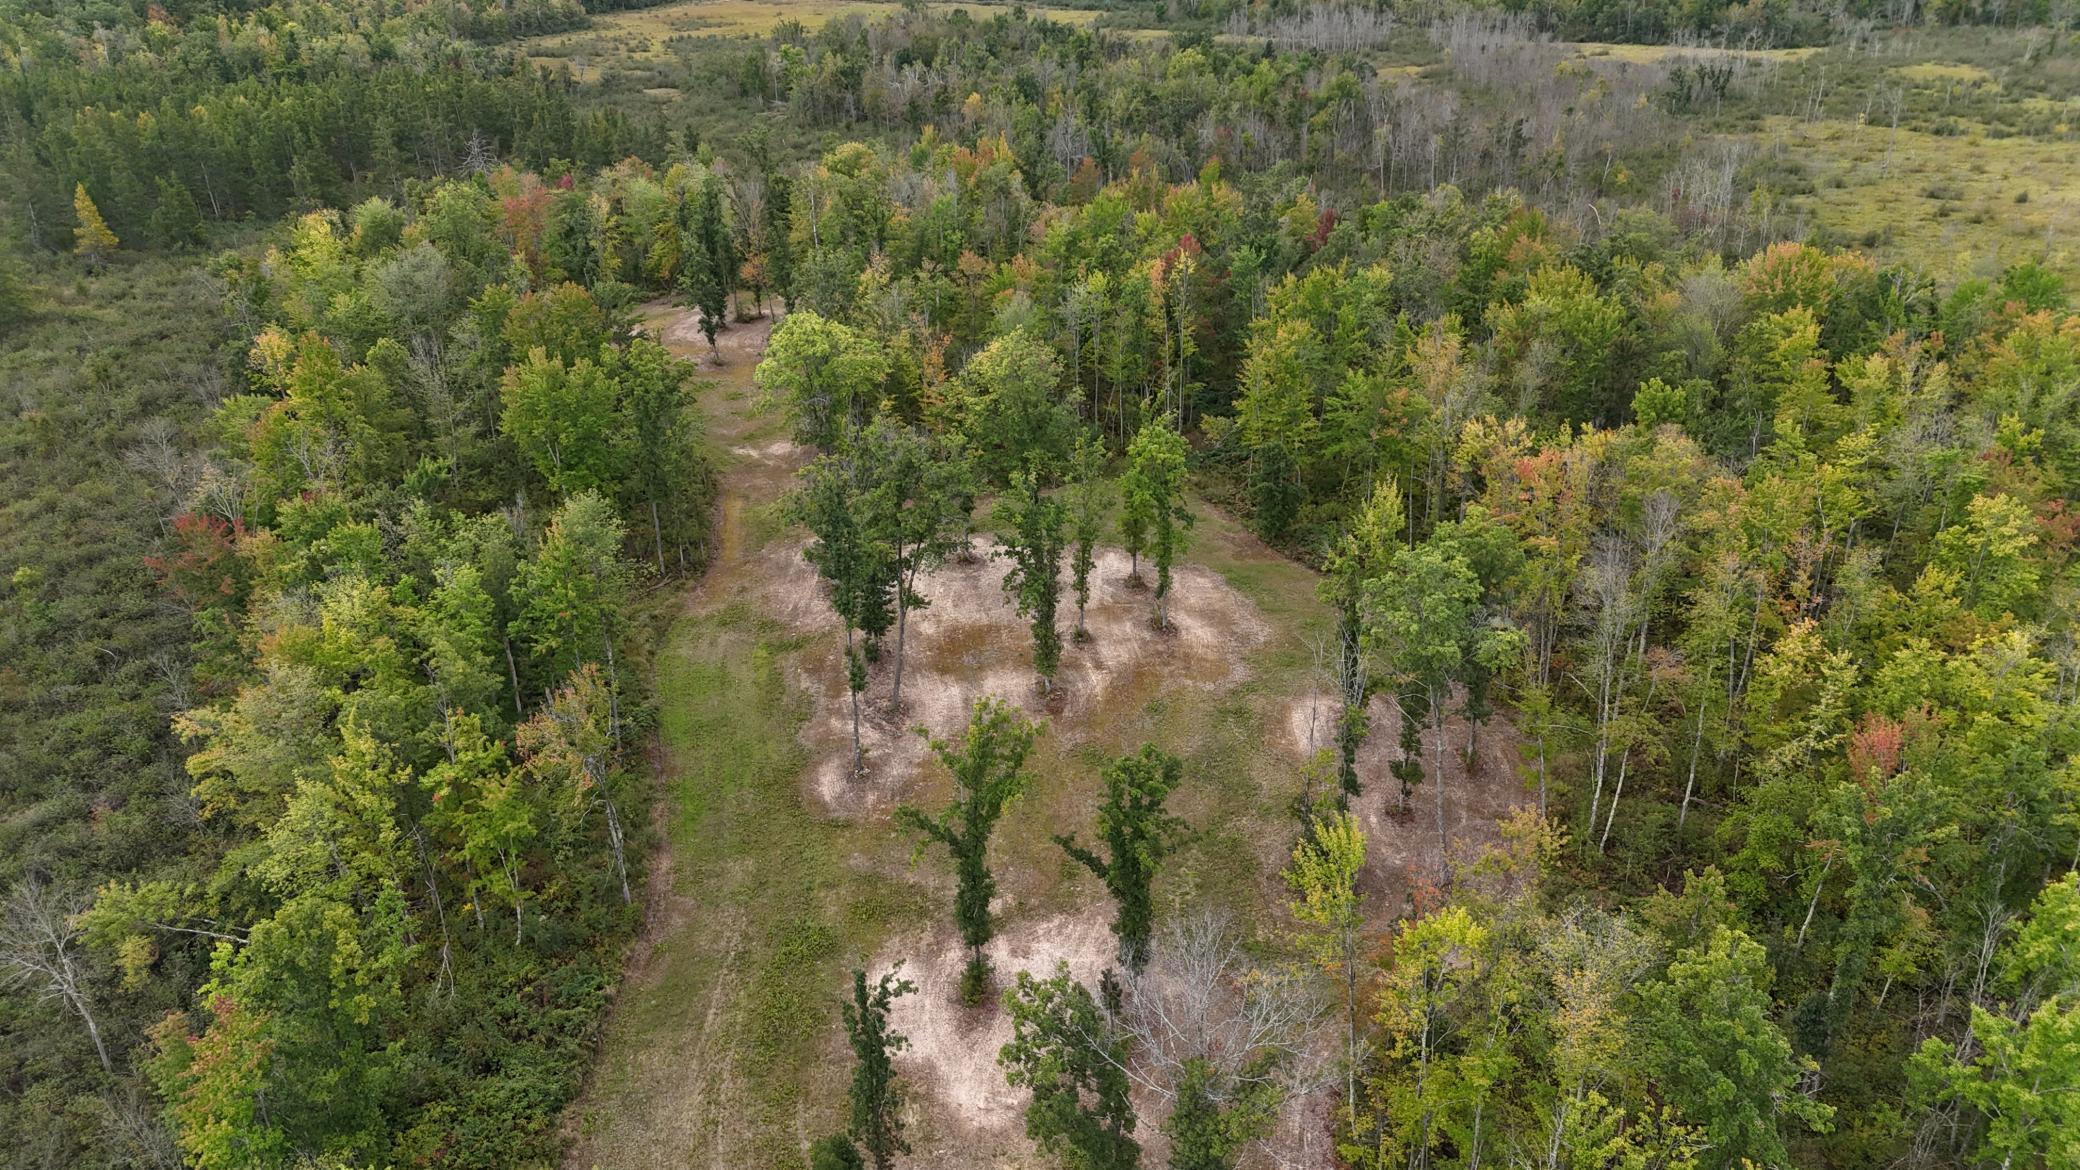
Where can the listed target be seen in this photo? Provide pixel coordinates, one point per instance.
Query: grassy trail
(701, 1062)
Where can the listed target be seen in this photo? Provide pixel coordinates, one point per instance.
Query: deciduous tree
(1155, 510)
(876, 1099)
(988, 767)
(1032, 542)
(1137, 835)
(1072, 1055)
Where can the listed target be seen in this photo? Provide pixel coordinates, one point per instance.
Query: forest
(1199, 583)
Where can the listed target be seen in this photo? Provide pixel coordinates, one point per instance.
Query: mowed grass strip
(717, 1053)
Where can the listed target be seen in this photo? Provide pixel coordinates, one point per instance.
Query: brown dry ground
(778, 871)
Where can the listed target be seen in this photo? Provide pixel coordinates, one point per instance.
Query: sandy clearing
(1401, 854)
(969, 642)
(953, 1048)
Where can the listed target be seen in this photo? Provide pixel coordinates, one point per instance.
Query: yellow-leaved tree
(91, 239)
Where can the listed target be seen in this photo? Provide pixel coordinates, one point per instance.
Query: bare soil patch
(952, 1054)
(1401, 846)
(969, 642)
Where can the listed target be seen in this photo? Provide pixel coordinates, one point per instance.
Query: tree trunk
(895, 693)
(79, 1004)
(1437, 754)
(614, 837)
(1690, 783)
(859, 755)
(657, 535)
(513, 674)
(1617, 794)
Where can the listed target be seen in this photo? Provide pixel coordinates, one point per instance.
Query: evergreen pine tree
(176, 222)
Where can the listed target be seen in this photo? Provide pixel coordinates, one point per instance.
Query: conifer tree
(14, 292)
(176, 221)
(91, 240)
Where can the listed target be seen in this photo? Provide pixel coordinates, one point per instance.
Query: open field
(781, 871)
(1955, 206)
(645, 34)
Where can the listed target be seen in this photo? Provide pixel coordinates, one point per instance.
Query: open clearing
(1957, 206)
(778, 871)
(644, 35)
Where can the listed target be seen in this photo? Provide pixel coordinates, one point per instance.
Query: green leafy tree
(1417, 1090)
(666, 476)
(2016, 1075)
(827, 376)
(1087, 503)
(1214, 1117)
(853, 562)
(1137, 834)
(1422, 621)
(1990, 550)
(217, 1082)
(988, 768)
(915, 507)
(835, 1152)
(1155, 513)
(566, 422)
(563, 320)
(1072, 1055)
(1323, 879)
(1276, 415)
(572, 591)
(709, 266)
(568, 748)
(1010, 404)
(876, 1099)
(1717, 1055)
(776, 214)
(1361, 555)
(484, 803)
(1032, 542)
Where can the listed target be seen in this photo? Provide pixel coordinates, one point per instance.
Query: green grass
(749, 981)
(646, 34)
(1946, 203)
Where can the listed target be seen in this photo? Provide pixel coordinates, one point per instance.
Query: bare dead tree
(130, 1122)
(39, 948)
(1246, 1037)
